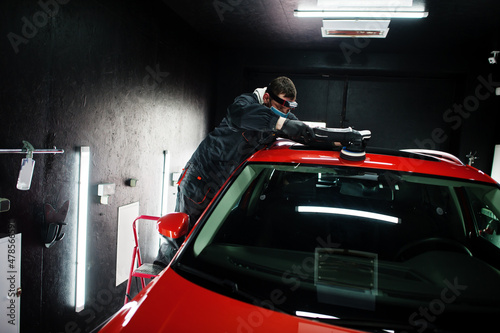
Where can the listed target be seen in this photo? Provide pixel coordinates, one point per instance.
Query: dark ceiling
(452, 26)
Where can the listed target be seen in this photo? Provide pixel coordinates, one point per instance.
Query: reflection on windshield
(348, 212)
(345, 243)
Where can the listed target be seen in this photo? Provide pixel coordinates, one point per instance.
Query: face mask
(279, 113)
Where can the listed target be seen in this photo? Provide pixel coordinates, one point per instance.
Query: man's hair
(283, 85)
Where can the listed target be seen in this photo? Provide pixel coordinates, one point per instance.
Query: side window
(485, 201)
(488, 225)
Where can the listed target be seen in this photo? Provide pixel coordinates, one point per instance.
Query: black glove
(297, 130)
(347, 137)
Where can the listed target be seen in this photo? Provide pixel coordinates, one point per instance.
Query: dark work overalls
(248, 127)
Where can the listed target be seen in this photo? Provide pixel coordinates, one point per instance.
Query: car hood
(171, 303)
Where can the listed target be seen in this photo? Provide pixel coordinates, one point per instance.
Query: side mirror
(173, 225)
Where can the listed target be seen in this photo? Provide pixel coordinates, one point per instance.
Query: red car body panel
(282, 153)
(171, 303)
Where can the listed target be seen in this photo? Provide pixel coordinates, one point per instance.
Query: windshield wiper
(233, 286)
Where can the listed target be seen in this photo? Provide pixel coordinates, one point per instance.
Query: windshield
(351, 245)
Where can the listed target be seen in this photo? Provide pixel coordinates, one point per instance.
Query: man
(252, 122)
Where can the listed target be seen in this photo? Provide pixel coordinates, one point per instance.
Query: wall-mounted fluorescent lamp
(359, 14)
(81, 245)
(348, 212)
(165, 180)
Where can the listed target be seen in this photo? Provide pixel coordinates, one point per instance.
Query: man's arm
(246, 113)
(281, 120)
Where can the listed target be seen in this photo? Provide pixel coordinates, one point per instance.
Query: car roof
(428, 162)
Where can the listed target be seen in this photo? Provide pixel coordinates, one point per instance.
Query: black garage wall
(129, 80)
(438, 101)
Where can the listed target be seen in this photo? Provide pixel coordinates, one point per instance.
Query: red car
(308, 238)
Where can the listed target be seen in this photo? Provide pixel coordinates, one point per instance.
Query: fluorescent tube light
(165, 180)
(359, 14)
(81, 249)
(347, 212)
(366, 3)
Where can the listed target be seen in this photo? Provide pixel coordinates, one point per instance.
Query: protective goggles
(288, 104)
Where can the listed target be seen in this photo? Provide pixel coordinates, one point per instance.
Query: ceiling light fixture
(359, 14)
(355, 28)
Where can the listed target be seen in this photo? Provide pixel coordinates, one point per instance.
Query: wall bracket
(29, 150)
(28, 163)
